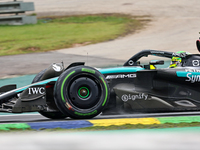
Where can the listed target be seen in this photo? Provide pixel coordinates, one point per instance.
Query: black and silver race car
(80, 91)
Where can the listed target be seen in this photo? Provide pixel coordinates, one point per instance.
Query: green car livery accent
(82, 88)
(88, 70)
(63, 99)
(87, 114)
(106, 91)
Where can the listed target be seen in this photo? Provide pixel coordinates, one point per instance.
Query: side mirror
(198, 45)
(156, 62)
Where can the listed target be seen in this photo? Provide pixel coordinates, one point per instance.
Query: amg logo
(121, 76)
(36, 90)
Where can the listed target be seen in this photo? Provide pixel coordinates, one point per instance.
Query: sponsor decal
(56, 67)
(192, 78)
(156, 52)
(121, 76)
(88, 70)
(192, 70)
(140, 96)
(68, 106)
(87, 114)
(195, 63)
(174, 54)
(36, 90)
(182, 54)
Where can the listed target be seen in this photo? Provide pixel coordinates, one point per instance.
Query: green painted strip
(63, 99)
(106, 91)
(190, 119)
(22, 126)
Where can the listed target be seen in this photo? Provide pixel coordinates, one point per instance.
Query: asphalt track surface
(35, 117)
(174, 27)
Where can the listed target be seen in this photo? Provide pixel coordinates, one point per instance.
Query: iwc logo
(36, 90)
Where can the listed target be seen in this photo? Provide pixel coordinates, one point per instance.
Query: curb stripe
(61, 124)
(119, 122)
(22, 126)
(99, 122)
(190, 119)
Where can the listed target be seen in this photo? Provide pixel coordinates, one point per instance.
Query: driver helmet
(176, 61)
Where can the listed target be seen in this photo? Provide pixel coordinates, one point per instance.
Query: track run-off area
(154, 138)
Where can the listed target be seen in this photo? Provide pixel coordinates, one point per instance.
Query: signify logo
(139, 96)
(193, 78)
(121, 76)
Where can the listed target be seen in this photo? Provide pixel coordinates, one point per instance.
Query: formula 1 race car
(80, 91)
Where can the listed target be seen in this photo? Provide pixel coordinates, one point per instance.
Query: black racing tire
(51, 115)
(81, 92)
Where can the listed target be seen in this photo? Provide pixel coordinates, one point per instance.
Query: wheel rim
(84, 93)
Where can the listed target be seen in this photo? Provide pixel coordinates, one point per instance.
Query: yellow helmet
(176, 61)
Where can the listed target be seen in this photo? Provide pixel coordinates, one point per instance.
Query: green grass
(53, 33)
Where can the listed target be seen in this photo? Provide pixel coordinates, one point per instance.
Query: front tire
(81, 92)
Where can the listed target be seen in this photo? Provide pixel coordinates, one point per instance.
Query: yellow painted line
(118, 122)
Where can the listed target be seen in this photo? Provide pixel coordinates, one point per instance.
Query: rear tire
(82, 92)
(51, 115)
